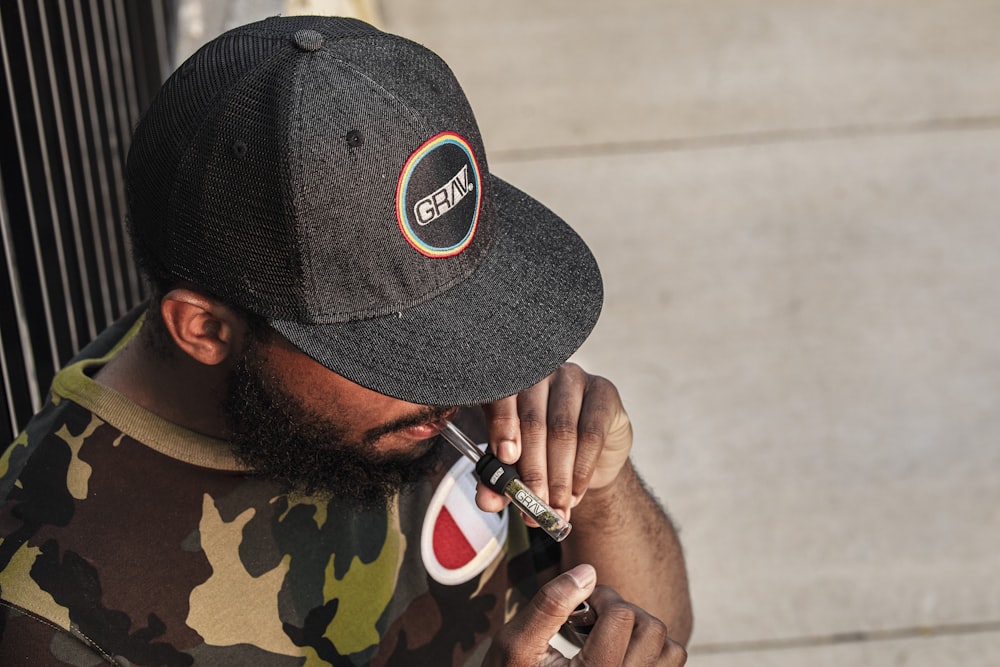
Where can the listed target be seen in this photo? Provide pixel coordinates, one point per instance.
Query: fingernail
(507, 451)
(585, 576)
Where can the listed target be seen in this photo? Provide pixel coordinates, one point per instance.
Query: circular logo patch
(439, 195)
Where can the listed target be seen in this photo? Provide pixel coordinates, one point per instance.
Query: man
(249, 471)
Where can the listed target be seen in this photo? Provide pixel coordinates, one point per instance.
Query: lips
(427, 430)
(423, 431)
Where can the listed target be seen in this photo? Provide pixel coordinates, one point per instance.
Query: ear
(205, 329)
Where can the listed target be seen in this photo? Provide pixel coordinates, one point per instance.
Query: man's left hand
(567, 434)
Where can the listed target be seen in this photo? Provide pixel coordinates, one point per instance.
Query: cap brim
(529, 305)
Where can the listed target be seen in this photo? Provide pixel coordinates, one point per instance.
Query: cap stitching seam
(416, 119)
(419, 120)
(414, 116)
(305, 257)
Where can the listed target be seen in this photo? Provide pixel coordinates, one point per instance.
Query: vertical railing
(75, 76)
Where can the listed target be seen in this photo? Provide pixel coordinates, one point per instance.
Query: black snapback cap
(331, 178)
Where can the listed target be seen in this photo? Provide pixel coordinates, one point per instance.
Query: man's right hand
(623, 635)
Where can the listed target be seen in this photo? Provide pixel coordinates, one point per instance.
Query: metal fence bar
(24, 179)
(93, 274)
(126, 112)
(75, 75)
(68, 193)
(94, 153)
(20, 387)
(49, 193)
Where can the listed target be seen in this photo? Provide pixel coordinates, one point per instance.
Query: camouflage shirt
(126, 539)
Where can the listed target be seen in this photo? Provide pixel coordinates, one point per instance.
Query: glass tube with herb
(502, 478)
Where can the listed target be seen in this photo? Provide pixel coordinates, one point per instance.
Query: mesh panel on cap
(165, 132)
(234, 220)
(205, 230)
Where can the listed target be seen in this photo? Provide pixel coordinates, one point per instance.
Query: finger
(628, 635)
(601, 404)
(489, 500)
(532, 467)
(674, 655)
(566, 399)
(504, 429)
(649, 644)
(525, 639)
(609, 639)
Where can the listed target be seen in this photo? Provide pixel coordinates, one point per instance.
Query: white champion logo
(459, 540)
(445, 198)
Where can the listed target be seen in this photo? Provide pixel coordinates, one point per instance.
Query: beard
(274, 436)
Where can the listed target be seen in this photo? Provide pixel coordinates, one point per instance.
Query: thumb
(532, 628)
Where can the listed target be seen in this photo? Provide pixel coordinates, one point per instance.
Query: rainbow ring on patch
(434, 207)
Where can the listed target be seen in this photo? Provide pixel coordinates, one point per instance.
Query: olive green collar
(75, 383)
